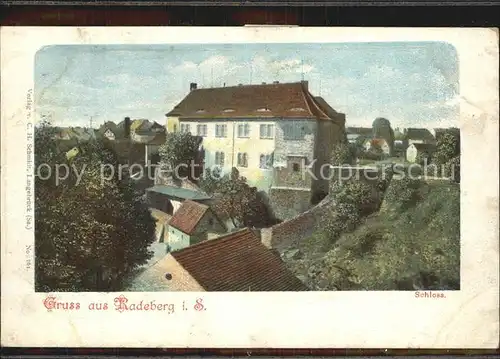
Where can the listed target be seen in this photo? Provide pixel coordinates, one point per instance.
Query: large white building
(269, 132)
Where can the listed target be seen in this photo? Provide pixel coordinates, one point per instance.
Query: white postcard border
(466, 318)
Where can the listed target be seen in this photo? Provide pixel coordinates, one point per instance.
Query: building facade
(274, 134)
(192, 223)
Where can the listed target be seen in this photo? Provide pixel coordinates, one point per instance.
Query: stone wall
(288, 203)
(299, 228)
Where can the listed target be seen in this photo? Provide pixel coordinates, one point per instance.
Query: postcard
(249, 187)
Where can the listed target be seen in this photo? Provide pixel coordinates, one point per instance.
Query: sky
(411, 84)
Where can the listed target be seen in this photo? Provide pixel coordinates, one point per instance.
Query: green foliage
(418, 249)
(423, 158)
(452, 169)
(447, 154)
(244, 205)
(90, 233)
(180, 148)
(353, 199)
(343, 154)
(403, 192)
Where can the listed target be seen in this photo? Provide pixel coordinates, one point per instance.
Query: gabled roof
(237, 262)
(148, 126)
(378, 141)
(424, 147)
(177, 192)
(288, 100)
(329, 110)
(418, 134)
(187, 217)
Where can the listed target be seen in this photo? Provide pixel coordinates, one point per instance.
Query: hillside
(412, 243)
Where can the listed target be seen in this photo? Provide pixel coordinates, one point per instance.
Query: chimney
(193, 86)
(127, 127)
(305, 84)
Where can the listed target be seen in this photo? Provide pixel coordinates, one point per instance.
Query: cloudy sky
(411, 84)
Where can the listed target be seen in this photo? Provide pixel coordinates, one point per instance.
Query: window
(185, 127)
(201, 130)
(175, 128)
(266, 161)
(228, 110)
(220, 130)
(264, 109)
(242, 160)
(244, 130)
(294, 130)
(297, 109)
(296, 167)
(266, 131)
(219, 158)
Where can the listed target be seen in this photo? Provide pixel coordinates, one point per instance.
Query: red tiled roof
(187, 216)
(237, 262)
(378, 141)
(289, 100)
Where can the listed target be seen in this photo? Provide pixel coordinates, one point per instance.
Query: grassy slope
(395, 249)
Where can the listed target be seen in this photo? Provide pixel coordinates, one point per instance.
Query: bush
(343, 154)
(353, 200)
(403, 193)
(452, 169)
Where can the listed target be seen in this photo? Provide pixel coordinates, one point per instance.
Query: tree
(89, 232)
(382, 129)
(182, 151)
(447, 155)
(353, 200)
(343, 154)
(242, 204)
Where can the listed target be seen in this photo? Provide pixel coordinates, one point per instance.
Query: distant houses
(236, 261)
(142, 136)
(134, 141)
(424, 139)
(418, 135)
(358, 134)
(378, 145)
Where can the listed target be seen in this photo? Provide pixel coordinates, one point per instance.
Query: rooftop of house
(418, 134)
(424, 146)
(137, 125)
(288, 100)
(147, 126)
(178, 192)
(78, 133)
(187, 217)
(160, 216)
(237, 262)
(378, 141)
